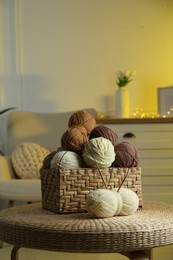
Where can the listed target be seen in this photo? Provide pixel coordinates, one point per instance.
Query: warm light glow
(139, 113)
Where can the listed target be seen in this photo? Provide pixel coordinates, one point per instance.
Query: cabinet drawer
(146, 136)
(158, 196)
(150, 140)
(165, 181)
(158, 188)
(156, 154)
(156, 167)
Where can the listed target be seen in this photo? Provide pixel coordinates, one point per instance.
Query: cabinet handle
(129, 135)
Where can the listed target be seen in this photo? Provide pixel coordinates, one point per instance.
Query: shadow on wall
(27, 92)
(107, 103)
(30, 92)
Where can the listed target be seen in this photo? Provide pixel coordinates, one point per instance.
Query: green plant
(123, 78)
(5, 110)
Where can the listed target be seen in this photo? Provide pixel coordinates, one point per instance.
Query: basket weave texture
(66, 190)
(149, 227)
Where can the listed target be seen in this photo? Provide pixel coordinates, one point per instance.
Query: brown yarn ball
(126, 156)
(82, 118)
(74, 139)
(104, 131)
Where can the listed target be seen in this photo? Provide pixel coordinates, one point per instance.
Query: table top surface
(33, 227)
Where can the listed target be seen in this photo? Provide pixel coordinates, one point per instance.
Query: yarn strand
(101, 175)
(125, 175)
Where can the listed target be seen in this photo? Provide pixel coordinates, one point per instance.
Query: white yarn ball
(66, 159)
(119, 204)
(99, 151)
(130, 201)
(103, 203)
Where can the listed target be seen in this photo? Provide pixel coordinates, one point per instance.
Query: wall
(60, 55)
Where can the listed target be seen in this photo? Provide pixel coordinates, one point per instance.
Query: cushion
(27, 159)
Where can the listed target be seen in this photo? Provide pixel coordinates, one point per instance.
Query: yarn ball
(27, 159)
(98, 152)
(127, 155)
(130, 201)
(82, 118)
(119, 204)
(103, 203)
(47, 160)
(104, 131)
(49, 157)
(74, 138)
(66, 159)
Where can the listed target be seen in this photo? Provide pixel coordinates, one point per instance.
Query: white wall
(60, 55)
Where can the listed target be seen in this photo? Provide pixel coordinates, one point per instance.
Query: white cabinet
(154, 140)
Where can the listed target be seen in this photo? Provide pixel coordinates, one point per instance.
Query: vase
(122, 103)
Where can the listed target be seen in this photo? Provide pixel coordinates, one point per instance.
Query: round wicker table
(134, 236)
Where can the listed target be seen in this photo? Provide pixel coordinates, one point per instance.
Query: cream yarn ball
(103, 203)
(119, 204)
(99, 151)
(130, 201)
(66, 159)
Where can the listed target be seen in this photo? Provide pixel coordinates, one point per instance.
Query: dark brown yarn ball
(82, 118)
(104, 131)
(74, 139)
(47, 160)
(126, 155)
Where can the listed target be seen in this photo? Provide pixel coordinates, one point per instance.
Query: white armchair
(44, 129)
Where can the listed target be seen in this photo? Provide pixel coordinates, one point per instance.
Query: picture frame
(165, 101)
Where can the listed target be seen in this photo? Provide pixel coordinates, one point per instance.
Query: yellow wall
(65, 53)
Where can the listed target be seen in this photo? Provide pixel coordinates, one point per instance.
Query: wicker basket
(65, 190)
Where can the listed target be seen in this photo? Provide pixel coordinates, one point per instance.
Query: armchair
(44, 129)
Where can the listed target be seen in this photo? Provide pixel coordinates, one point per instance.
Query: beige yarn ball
(98, 151)
(66, 159)
(130, 201)
(103, 203)
(27, 159)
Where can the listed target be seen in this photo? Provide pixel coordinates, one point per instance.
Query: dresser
(154, 140)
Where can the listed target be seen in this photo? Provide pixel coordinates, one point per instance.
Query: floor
(28, 254)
